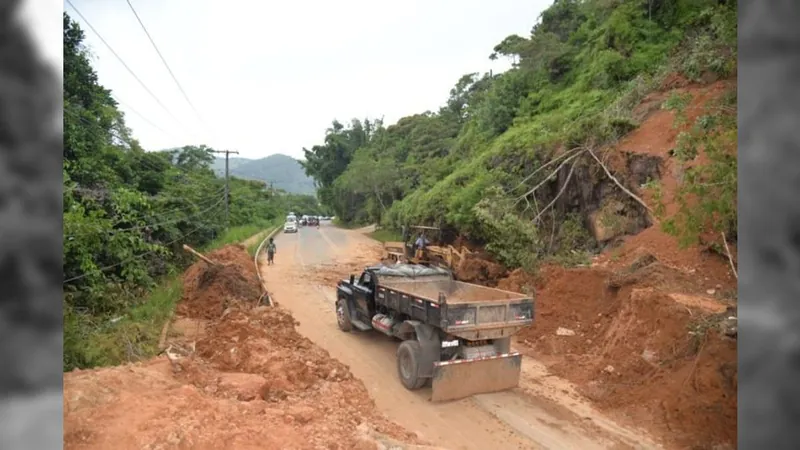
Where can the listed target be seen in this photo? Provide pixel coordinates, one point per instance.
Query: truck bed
(462, 309)
(454, 292)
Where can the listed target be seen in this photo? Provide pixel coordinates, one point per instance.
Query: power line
(150, 225)
(69, 2)
(127, 105)
(95, 133)
(134, 258)
(174, 78)
(227, 181)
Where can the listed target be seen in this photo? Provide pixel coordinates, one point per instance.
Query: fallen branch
(163, 336)
(624, 189)
(730, 258)
(199, 255)
(546, 165)
(547, 178)
(561, 191)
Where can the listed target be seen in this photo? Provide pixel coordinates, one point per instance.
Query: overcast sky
(269, 77)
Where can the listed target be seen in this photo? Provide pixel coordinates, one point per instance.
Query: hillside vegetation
(522, 162)
(126, 214)
(281, 171)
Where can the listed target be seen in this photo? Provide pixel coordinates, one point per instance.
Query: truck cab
(358, 305)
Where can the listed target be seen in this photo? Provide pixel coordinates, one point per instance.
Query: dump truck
(454, 335)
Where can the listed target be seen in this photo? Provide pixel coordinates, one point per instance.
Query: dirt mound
(633, 346)
(479, 269)
(249, 380)
(256, 355)
(207, 290)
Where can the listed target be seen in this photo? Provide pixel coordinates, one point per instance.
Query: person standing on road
(271, 252)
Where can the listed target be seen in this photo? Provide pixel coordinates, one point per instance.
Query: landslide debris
(249, 380)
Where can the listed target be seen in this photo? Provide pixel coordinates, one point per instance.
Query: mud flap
(453, 380)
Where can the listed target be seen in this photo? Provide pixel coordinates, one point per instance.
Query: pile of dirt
(207, 290)
(257, 355)
(478, 268)
(250, 380)
(640, 341)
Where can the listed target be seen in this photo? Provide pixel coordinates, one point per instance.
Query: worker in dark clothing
(271, 252)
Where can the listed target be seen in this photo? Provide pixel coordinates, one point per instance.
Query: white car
(290, 227)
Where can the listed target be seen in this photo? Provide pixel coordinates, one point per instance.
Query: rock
(730, 327)
(609, 369)
(649, 355)
(302, 414)
(711, 291)
(564, 332)
(609, 221)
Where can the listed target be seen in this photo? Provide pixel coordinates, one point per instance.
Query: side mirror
(352, 279)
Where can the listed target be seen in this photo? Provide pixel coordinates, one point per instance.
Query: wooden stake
(730, 258)
(199, 255)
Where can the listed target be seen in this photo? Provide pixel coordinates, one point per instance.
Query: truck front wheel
(408, 358)
(343, 315)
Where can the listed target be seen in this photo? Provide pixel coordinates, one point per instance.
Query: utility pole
(227, 182)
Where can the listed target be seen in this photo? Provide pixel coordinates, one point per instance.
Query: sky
(269, 77)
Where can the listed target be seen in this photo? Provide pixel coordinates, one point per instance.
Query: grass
(133, 336)
(110, 341)
(251, 249)
(238, 234)
(386, 235)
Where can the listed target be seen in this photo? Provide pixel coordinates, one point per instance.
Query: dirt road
(544, 413)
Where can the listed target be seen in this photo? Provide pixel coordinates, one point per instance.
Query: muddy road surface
(543, 413)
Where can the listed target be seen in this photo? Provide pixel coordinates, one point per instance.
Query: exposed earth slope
(233, 375)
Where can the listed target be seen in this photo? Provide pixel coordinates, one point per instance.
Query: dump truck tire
(408, 358)
(343, 316)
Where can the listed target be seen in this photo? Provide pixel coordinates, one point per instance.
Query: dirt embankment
(645, 332)
(247, 379)
(643, 344)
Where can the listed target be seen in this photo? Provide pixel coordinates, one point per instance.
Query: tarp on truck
(405, 270)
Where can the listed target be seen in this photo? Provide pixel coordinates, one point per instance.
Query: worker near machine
(420, 245)
(271, 252)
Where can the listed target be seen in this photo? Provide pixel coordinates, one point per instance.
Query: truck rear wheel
(408, 357)
(343, 315)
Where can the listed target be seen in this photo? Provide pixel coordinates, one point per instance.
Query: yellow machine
(429, 255)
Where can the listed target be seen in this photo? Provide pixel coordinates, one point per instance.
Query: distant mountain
(283, 171)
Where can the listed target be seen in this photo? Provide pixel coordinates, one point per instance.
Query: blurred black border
(31, 236)
(769, 224)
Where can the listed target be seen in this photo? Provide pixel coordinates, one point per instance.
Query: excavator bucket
(453, 380)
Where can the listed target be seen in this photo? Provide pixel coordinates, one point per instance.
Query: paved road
(303, 279)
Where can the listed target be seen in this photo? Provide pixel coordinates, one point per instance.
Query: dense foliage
(478, 166)
(127, 211)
